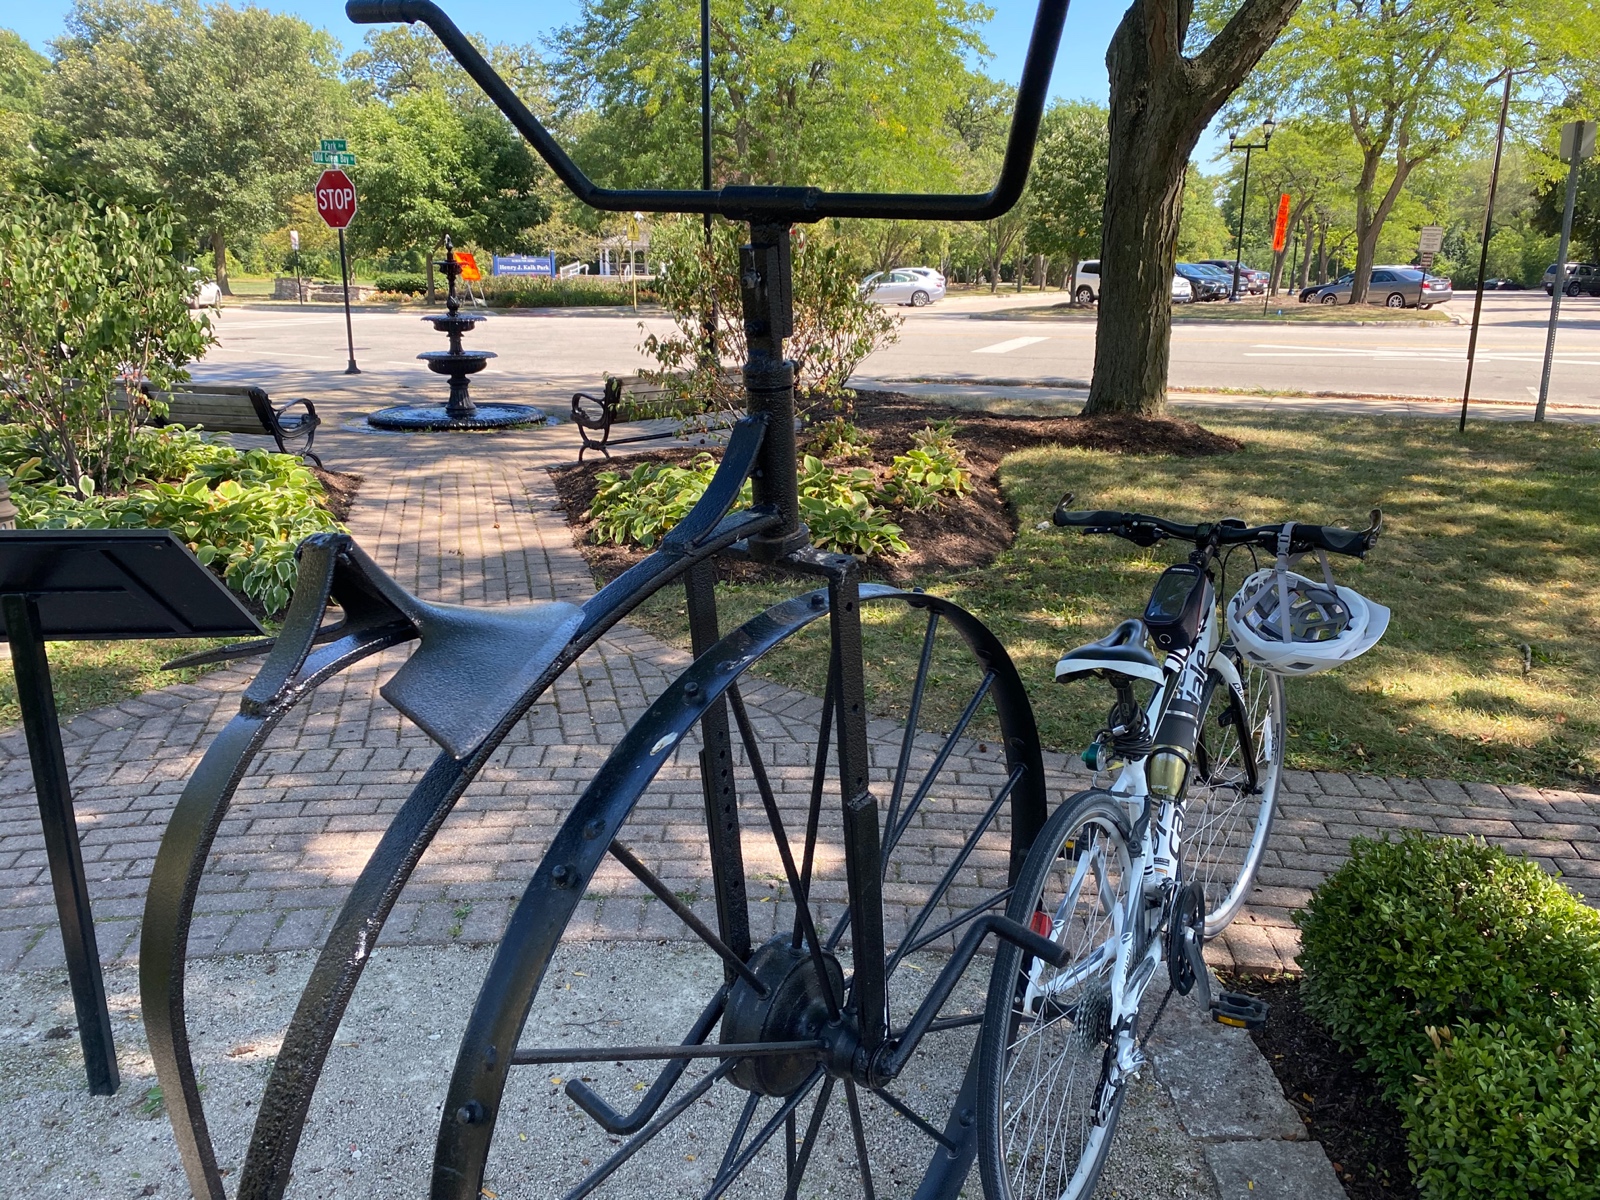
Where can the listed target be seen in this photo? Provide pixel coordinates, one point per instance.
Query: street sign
(1427, 259)
(328, 158)
(336, 198)
(1280, 231)
(1577, 141)
(1429, 239)
(332, 146)
(294, 239)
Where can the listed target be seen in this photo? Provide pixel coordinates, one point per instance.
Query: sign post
(1429, 239)
(299, 288)
(1577, 144)
(336, 204)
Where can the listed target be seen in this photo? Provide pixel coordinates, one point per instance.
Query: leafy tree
(1202, 231)
(1411, 78)
(1585, 211)
(93, 302)
(215, 108)
(1068, 185)
(836, 93)
(1165, 88)
(22, 72)
(406, 59)
(430, 168)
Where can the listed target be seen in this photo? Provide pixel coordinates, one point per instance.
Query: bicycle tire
(1087, 836)
(1226, 823)
(882, 1144)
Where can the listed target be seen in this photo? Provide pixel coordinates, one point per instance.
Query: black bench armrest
(301, 426)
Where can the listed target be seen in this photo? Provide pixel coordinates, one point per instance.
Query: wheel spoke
(915, 711)
(958, 920)
(955, 866)
(819, 781)
(860, 1133)
(764, 1135)
(769, 801)
(685, 914)
(524, 1057)
(739, 1130)
(636, 1143)
(813, 1127)
(905, 1111)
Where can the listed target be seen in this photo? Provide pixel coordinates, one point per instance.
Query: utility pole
(1267, 127)
(1577, 144)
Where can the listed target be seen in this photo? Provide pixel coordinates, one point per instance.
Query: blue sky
(1080, 69)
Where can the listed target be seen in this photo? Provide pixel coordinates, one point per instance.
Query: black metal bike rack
(504, 659)
(74, 585)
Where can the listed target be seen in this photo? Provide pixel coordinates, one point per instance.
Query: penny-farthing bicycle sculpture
(817, 1035)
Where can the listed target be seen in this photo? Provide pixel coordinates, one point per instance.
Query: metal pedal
(1238, 1010)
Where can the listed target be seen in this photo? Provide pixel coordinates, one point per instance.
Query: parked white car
(205, 293)
(902, 286)
(1087, 288)
(928, 273)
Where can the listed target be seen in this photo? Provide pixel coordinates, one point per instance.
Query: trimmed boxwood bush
(1428, 932)
(1510, 1111)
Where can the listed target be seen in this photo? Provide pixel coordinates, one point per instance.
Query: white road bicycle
(1136, 876)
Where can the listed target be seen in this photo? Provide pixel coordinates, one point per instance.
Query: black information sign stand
(65, 585)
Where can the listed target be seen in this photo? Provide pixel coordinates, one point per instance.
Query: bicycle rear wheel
(1047, 1100)
(1233, 787)
(636, 1089)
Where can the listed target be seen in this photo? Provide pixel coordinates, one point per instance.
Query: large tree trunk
(219, 261)
(1369, 225)
(1161, 102)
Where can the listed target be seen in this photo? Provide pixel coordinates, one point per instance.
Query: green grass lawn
(91, 674)
(1489, 546)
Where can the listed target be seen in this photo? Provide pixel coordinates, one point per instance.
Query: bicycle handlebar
(776, 204)
(1145, 530)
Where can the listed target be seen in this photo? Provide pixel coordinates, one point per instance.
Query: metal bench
(239, 408)
(593, 414)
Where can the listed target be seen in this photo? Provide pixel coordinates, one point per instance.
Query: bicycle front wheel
(1048, 1100)
(1238, 763)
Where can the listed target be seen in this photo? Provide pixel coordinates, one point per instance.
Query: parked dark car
(1208, 283)
(1251, 281)
(1502, 285)
(1392, 287)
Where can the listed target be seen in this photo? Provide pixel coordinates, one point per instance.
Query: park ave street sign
(336, 198)
(332, 152)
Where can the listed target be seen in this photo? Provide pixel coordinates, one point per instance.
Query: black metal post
(349, 333)
(50, 783)
(766, 282)
(1483, 253)
(1238, 241)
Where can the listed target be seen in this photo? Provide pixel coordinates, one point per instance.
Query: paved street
(959, 339)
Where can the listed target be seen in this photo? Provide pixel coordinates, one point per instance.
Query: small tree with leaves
(93, 303)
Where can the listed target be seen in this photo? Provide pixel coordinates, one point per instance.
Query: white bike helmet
(1327, 625)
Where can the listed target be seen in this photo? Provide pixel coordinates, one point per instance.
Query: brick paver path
(474, 520)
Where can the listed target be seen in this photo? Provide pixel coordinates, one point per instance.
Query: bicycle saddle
(1121, 652)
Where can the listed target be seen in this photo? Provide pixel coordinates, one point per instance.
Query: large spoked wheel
(604, 1068)
(1048, 1099)
(1233, 788)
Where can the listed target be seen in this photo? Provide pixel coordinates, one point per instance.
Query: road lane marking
(1008, 347)
(1279, 350)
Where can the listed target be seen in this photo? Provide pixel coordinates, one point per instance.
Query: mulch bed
(966, 532)
(1343, 1108)
(341, 487)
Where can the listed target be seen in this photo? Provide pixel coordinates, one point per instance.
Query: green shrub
(838, 438)
(838, 506)
(642, 505)
(403, 283)
(933, 469)
(648, 501)
(1427, 931)
(523, 291)
(242, 512)
(1510, 1111)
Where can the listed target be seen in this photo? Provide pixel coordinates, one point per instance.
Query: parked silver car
(1392, 287)
(901, 286)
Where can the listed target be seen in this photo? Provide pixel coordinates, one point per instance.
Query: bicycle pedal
(1238, 1010)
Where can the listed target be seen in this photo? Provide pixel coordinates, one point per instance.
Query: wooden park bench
(239, 408)
(596, 415)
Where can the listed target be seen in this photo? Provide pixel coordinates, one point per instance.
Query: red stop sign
(336, 198)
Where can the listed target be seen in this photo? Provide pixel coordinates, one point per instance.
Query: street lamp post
(1267, 127)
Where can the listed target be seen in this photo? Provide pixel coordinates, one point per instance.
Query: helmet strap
(1285, 629)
